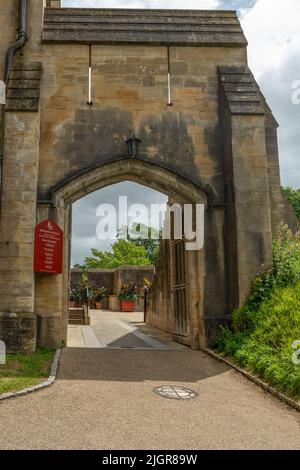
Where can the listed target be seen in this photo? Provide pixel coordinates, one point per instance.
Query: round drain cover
(175, 392)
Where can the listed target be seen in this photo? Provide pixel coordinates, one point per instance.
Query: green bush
(293, 196)
(124, 253)
(263, 331)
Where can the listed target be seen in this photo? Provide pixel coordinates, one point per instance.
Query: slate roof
(241, 91)
(137, 26)
(23, 91)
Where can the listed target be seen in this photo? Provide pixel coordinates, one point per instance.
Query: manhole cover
(175, 392)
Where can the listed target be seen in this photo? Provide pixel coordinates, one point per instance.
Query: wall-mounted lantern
(133, 146)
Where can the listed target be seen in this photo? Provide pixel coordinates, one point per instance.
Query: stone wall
(133, 275)
(18, 331)
(129, 95)
(102, 278)
(112, 279)
(75, 277)
(159, 306)
(8, 18)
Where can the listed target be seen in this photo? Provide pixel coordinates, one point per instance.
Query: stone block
(49, 332)
(113, 303)
(18, 331)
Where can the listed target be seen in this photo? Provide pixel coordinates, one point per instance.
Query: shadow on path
(137, 365)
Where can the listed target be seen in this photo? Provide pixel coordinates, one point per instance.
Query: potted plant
(91, 296)
(99, 296)
(77, 295)
(72, 298)
(128, 297)
(84, 294)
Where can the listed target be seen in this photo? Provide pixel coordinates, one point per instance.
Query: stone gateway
(78, 82)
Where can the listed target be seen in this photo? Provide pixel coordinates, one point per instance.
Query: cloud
(84, 219)
(171, 4)
(272, 29)
(241, 5)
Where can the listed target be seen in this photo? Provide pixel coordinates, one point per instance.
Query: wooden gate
(178, 291)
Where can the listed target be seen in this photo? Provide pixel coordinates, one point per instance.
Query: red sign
(48, 248)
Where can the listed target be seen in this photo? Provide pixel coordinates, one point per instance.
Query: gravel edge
(281, 396)
(51, 379)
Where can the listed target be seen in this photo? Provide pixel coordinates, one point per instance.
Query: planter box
(127, 306)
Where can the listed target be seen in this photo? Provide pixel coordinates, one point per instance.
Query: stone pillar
(195, 295)
(281, 211)
(18, 218)
(248, 215)
(273, 171)
(251, 199)
(159, 312)
(51, 291)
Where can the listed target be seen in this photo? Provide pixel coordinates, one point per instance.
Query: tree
(293, 196)
(150, 239)
(124, 253)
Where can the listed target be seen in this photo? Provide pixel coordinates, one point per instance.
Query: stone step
(80, 313)
(76, 316)
(76, 322)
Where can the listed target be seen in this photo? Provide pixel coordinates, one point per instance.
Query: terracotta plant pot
(127, 306)
(98, 305)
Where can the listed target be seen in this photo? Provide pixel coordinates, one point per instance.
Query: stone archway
(218, 140)
(51, 301)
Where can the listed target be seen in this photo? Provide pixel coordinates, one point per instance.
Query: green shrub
(229, 342)
(263, 331)
(293, 196)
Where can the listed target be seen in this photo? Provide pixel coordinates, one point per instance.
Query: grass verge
(265, 333)
(22, 371)
(266, 349)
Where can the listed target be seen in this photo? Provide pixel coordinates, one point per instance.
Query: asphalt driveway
(104, 399)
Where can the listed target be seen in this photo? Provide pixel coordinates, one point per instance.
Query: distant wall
(76, 277)
(103, 278)
(112, 279)
(135, 275)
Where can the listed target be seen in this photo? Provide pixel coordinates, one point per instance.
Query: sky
(273, 32)
(84, 219)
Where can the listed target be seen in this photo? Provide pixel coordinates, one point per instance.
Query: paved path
(103, 399)
(119, 330)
